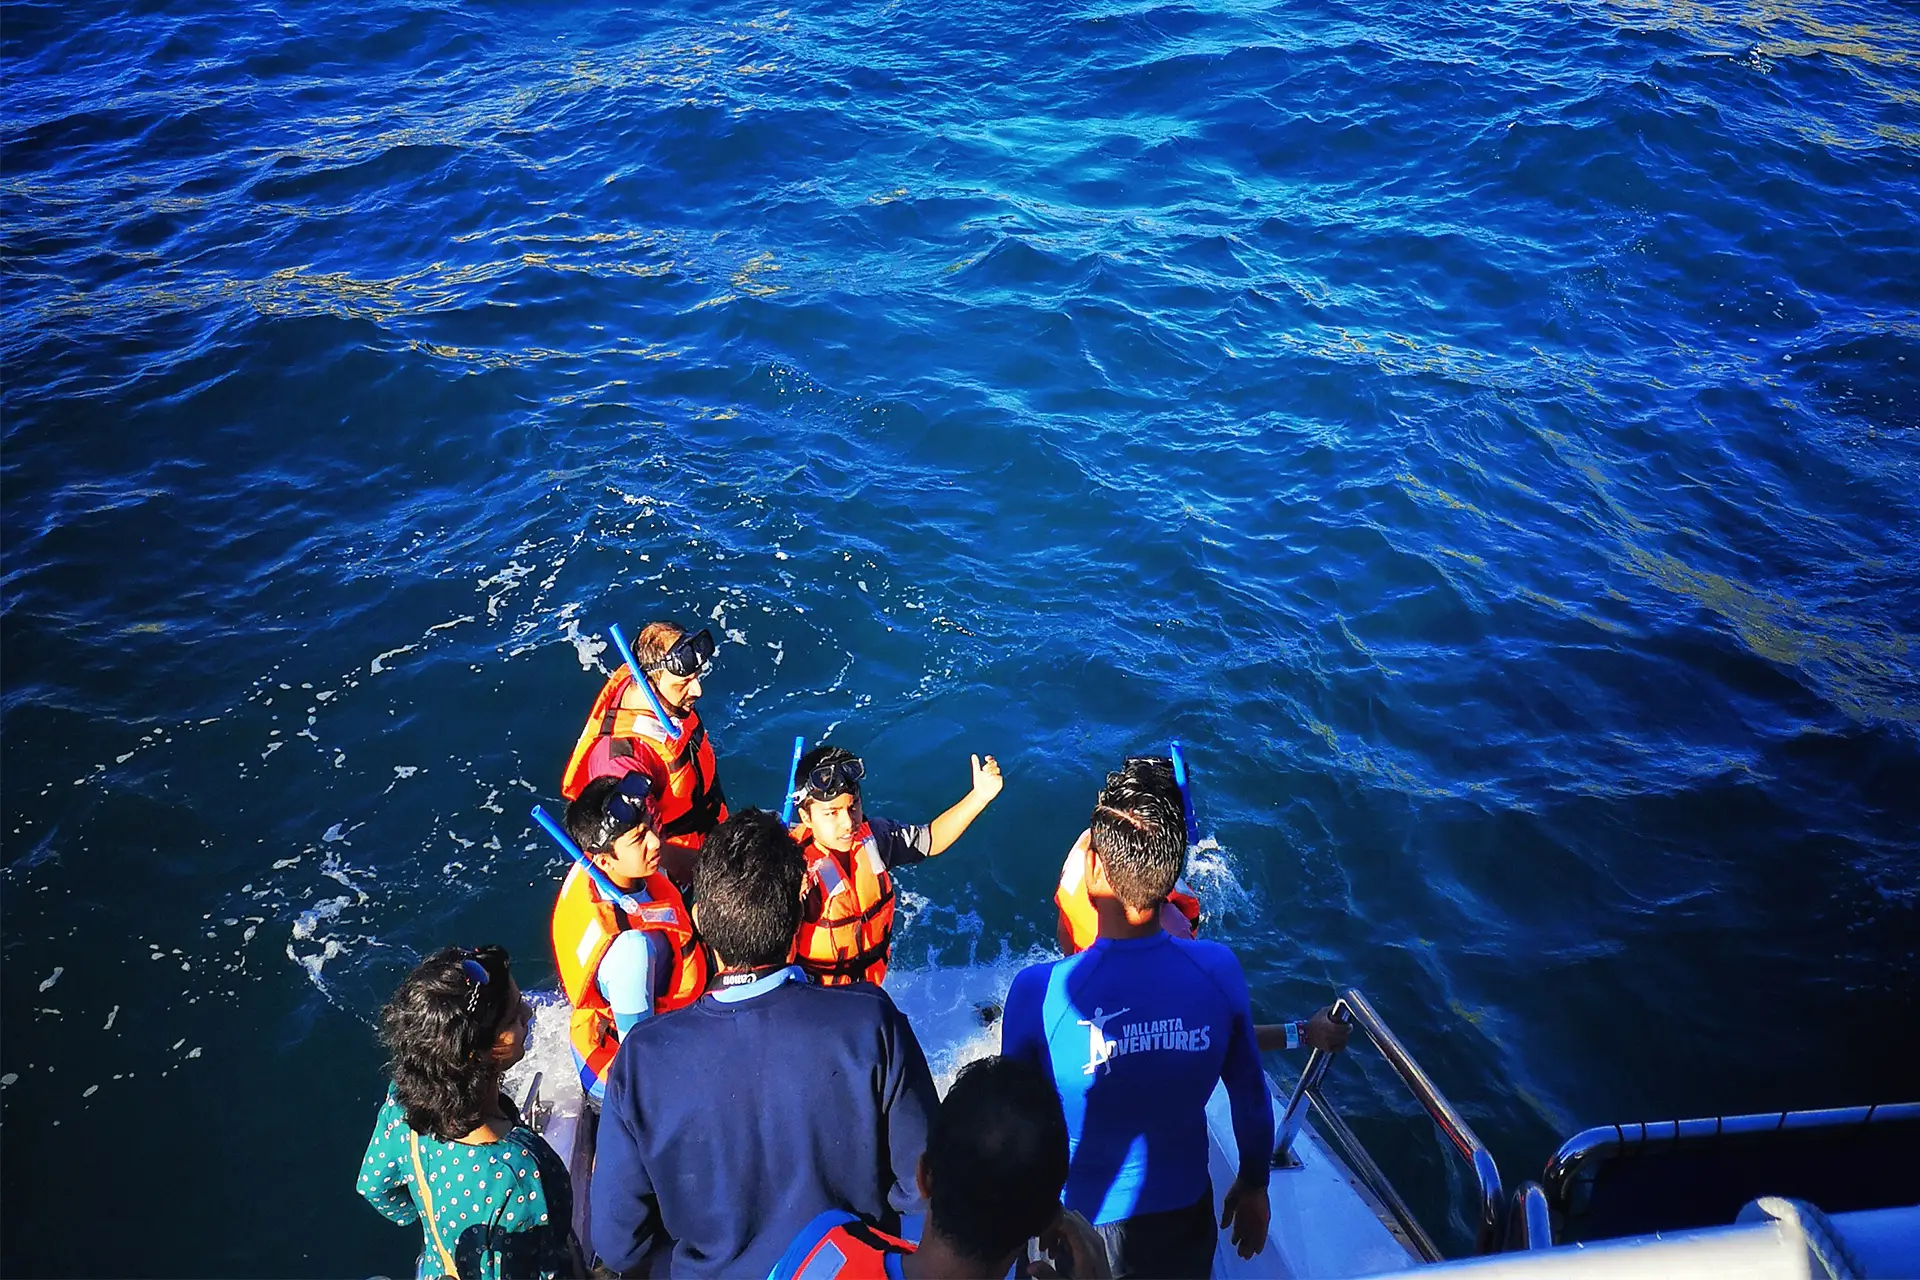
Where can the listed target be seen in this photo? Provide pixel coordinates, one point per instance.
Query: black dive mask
(632, 804)
(690, 655)
(830, 780)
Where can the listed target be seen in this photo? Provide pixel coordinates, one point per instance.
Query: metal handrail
(1352, 1007)
(1529, 1219)
(1577, 1152)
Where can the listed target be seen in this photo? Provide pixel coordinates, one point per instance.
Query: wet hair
(442, 1055)
(822, 755)
(1140, 833)
(655, 640)
(996, 1158)
(1153, 772)
(747, 883)
(587, 822)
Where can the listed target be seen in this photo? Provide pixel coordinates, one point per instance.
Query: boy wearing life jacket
(1078, 924)
(846, 928)
(623, 732)
(991, 1175)
(630, 954)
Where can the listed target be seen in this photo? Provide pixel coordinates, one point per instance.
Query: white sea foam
(1211, 872)
(379, 663)
(310, 920)
(549, 1055)
(585, 647)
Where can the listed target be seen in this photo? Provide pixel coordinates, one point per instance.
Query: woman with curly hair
(449, 1151)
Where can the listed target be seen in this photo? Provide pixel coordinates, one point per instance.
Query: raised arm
(986, 785)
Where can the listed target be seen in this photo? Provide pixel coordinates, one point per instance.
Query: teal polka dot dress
(504, 1210)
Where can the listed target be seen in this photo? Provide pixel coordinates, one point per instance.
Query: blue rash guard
(631, 976)
(626, 976)
(1135, 1032)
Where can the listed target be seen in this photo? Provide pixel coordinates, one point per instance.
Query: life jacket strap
(880, 904)
(704, 814)
(854, 966)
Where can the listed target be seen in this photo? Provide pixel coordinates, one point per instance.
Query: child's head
(827, 795)
(616, 822)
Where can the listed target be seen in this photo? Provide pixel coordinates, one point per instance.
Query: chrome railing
(1529, 1219)
(1584, 1149)
(1352, 1007)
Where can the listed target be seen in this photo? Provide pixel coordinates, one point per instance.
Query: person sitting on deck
(1135, 1031)
(623, 732)
(846, 931)
(448, 1149)
(729, 1124)
(995, 1161)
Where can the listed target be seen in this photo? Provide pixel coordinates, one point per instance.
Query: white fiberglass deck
(1324, 1222)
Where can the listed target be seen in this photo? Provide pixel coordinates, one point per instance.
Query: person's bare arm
(1318, 1032)
(946, 828)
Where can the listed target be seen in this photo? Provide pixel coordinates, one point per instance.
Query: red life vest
(691, 804)
(1081, 924)
(585, 923)
(838, 1246)
(846, 926)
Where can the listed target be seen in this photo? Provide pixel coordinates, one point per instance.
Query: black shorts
(1176, 1244)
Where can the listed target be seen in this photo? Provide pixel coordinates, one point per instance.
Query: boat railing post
(1353, 1007)
(1529, 1220)
(1316, 1069)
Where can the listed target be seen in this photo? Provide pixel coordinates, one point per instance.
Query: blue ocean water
(1487, 436)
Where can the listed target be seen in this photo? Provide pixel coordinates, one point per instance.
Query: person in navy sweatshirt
(730, 1124)
(1135, 1030)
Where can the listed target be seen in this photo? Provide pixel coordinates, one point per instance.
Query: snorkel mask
(690, 656)
(632, 804)
(835, 778)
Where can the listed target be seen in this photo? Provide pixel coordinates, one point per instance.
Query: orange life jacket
(846, 927)
(692, 804)
(1076, 908)
(585, 923)
(838, 1246)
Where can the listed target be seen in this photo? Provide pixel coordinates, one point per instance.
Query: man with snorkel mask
(846, 926)
(644, 717)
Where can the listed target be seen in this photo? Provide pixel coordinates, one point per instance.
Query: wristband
(1293, 1035)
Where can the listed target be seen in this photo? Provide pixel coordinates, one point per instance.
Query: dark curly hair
(442, 1065)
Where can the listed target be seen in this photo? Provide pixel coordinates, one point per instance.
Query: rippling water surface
(1489, 436)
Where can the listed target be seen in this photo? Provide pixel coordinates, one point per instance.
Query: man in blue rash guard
(1135, 1031)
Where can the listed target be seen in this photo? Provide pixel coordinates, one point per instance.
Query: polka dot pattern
(496, 1227)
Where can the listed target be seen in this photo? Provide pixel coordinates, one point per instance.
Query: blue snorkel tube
(1186, 794)
(793, 779)
(646, 686)
(625, 901)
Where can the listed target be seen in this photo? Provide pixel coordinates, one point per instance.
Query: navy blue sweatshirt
(730, 1124)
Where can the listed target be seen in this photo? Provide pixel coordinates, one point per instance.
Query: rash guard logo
(1163, 1035)
(1099, 1048)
